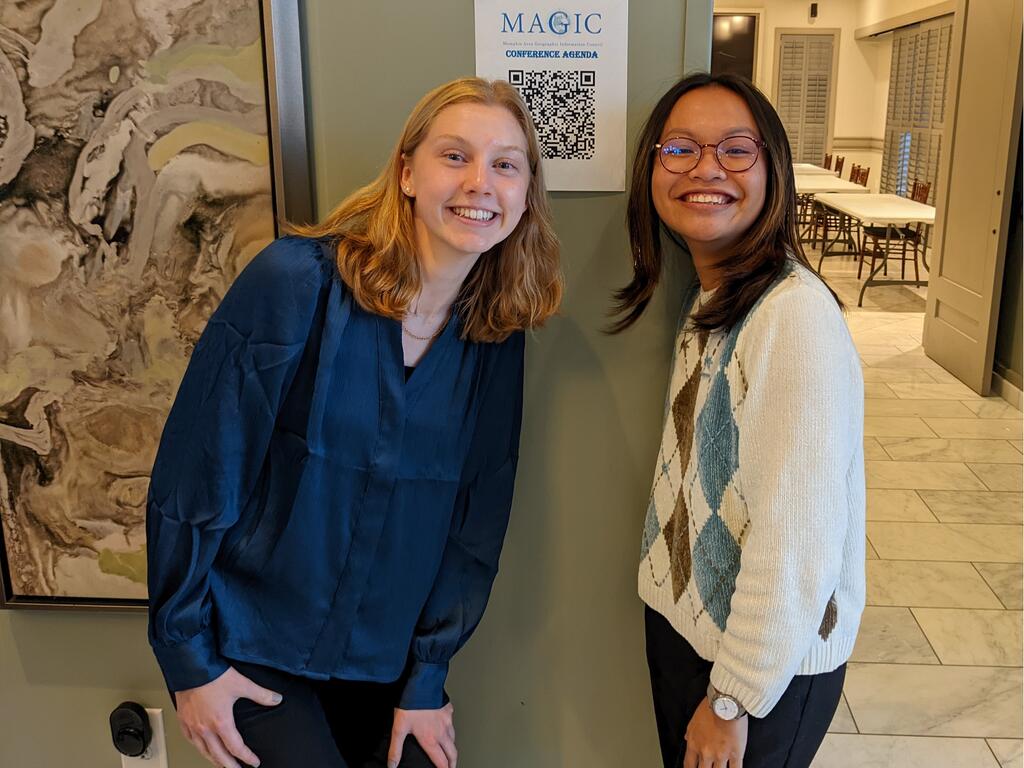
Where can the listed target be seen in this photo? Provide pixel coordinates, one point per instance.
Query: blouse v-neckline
(427, 362)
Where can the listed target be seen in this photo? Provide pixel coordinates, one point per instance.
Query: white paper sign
(569, 64)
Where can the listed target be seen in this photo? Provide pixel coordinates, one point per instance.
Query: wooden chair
(910, 241)
(824, 219)
(919, 191)
(805, 216)
(828, 162)
(862, 176)
(844, 223)
(918, 234)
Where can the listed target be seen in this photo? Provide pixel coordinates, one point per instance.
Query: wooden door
(982, 123)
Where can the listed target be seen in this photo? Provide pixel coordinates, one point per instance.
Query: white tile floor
(935, 680)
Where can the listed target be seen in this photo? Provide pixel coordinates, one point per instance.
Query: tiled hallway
(935, 679)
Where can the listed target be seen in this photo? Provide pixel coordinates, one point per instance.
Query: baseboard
(1007, 391)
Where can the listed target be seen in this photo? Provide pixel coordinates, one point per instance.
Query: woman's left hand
(712, 742)
(433, 729)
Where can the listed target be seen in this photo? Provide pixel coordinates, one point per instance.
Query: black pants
(322, 724)
(787, 737)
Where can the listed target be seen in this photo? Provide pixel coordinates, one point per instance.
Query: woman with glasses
(334, 481)
(752, 566)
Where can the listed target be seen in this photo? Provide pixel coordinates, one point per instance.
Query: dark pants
(322, 724)
(787, 737)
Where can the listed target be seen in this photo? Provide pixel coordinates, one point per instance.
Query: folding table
(808, 169)
(890, 211)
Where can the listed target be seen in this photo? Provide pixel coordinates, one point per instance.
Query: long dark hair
(760, 255)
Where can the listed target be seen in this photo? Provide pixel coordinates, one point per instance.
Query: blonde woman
(334, 480)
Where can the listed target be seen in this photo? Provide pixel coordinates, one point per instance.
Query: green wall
(61, 673)
(555, 676)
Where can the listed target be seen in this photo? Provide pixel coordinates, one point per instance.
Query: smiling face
(468, 179)
(710, 208)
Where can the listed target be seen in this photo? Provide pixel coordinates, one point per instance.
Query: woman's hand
(433, 729)
(207, 719)
(712, 742)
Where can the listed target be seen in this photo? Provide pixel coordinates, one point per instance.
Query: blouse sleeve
(801, 430)
(470, 561)
(213, 446)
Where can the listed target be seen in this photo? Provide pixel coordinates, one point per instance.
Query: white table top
(815, 184)
(877, 208)
(809, 169)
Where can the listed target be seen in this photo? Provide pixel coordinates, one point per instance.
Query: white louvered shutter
(916, 106)
(804, 87)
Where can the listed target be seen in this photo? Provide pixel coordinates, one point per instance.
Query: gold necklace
(431, 337)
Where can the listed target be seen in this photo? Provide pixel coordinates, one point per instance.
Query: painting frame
(293, 200)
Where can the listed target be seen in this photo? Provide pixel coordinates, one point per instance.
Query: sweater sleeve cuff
(424, 686)
(757, 703)
(191, 663)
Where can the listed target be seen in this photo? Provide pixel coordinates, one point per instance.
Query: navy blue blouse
(313, 511)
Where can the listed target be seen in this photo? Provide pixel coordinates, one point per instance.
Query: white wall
(873, 11)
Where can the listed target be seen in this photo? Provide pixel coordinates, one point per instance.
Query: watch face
(726, 708)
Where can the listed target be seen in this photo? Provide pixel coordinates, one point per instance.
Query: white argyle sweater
(753, 546)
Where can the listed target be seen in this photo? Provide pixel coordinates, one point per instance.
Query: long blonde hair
(514, 286)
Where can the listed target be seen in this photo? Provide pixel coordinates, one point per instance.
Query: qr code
(562, 105)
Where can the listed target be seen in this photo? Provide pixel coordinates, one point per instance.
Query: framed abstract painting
(148, 149)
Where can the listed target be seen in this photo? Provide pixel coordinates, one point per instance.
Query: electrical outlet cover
(156, 755)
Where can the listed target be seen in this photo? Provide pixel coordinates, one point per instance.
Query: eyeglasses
(735, 154)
